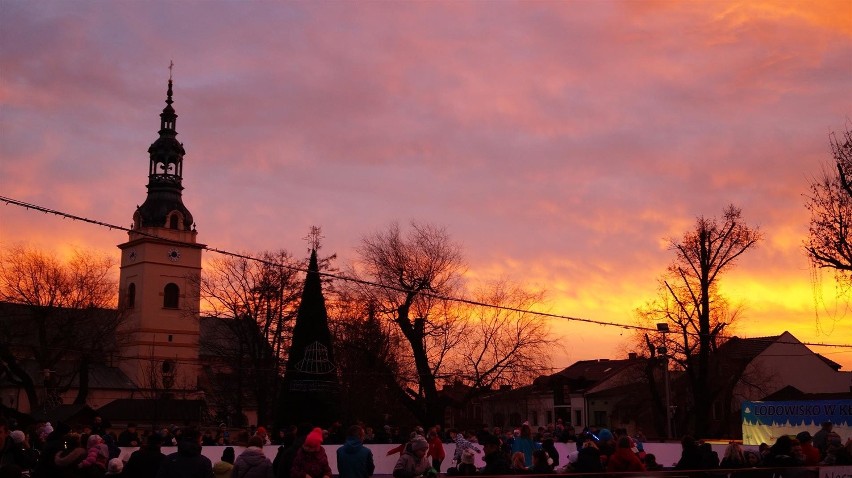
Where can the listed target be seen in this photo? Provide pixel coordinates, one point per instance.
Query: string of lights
(46, 210)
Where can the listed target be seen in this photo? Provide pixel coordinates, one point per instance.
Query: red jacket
(624, 460)
(436, 449)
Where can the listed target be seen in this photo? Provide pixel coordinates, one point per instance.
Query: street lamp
(664, 329)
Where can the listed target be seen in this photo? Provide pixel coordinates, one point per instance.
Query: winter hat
(256, 441)
(467, 457)
(314, 438)
(115, 466)
(17, 436)
(419, 443)
(605, 435)
(804, 437)
(94, 440)
(228, 455)
(260, 431)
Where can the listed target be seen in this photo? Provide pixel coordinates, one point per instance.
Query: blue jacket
(354, 460)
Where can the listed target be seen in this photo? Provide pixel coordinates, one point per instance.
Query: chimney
(632, 355)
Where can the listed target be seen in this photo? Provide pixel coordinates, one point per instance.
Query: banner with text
(764, 422)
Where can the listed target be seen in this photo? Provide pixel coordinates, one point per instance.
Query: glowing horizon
(561, 143)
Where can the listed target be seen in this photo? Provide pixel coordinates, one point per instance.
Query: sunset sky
(561, 143)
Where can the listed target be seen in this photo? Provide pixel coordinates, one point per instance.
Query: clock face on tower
(132, 255)
(173, 255)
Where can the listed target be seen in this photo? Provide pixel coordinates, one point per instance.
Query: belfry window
(131, 295)
(171, 293)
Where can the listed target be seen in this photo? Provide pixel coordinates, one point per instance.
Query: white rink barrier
(667, 454)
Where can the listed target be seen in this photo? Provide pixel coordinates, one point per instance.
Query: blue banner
(764, 422)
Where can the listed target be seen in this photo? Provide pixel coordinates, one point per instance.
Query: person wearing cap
(223, 467)
(413, 462)
(311, 460)
(115, 467)
(22, 453)
(810, 452)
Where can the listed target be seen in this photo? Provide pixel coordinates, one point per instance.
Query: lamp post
(663, 350)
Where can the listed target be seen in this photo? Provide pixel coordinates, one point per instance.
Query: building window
(549, 415)
(600, 419)
(131, 295)
(170, 296)
(578, 417)
(534, 418)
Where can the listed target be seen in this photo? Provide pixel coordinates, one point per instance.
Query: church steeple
(164, 205)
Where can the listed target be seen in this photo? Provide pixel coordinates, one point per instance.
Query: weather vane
(314, 237)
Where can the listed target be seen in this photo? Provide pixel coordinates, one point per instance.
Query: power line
(356, 280)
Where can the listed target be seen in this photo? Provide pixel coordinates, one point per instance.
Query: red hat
(260, 431)
(314, 438)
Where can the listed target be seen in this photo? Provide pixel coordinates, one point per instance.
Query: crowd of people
(93, 451)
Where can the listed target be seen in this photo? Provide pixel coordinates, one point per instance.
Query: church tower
(160, 270)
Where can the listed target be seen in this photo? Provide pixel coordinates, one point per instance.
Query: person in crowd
(820, 438)
(524, 443)
(284, 461)
(542, 463)
(623, 458)
(494, 458)
(146, 461)
(709, 458)
(223, 467)
(467, 467)
(311, 460)
(98, 427)
(97, 456)
(548, 446)
(837, 454)
(436, 449)
(413, 462)
(781, 454)
(519, 463)
(129, 437)
(115, 468)
(810, 453)
(53, 444)
(733, 457)
(208, 439)
(262, 433)
(606, 444)
(462, 444)
(690, 455)
(651, 463)
(5, 442)
(588, 457)
(187, 462)
(354, 460)
(66, 460)
(23, 454)
(252, 462)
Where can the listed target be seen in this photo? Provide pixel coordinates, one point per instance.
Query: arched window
(173, 221)
(131, 295)
(170, 296)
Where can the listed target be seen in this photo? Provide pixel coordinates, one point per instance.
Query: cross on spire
(314, 237)
(171, 66)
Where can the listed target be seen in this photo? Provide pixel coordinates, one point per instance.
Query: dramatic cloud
(562, 143)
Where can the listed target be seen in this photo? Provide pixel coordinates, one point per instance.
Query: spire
(310, 382)
(164, 205)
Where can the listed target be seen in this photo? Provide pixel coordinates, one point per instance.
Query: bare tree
(701, 257)
(444, 339)
(830, 204)
(56, 312)
(255, 302)
(502, 345)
